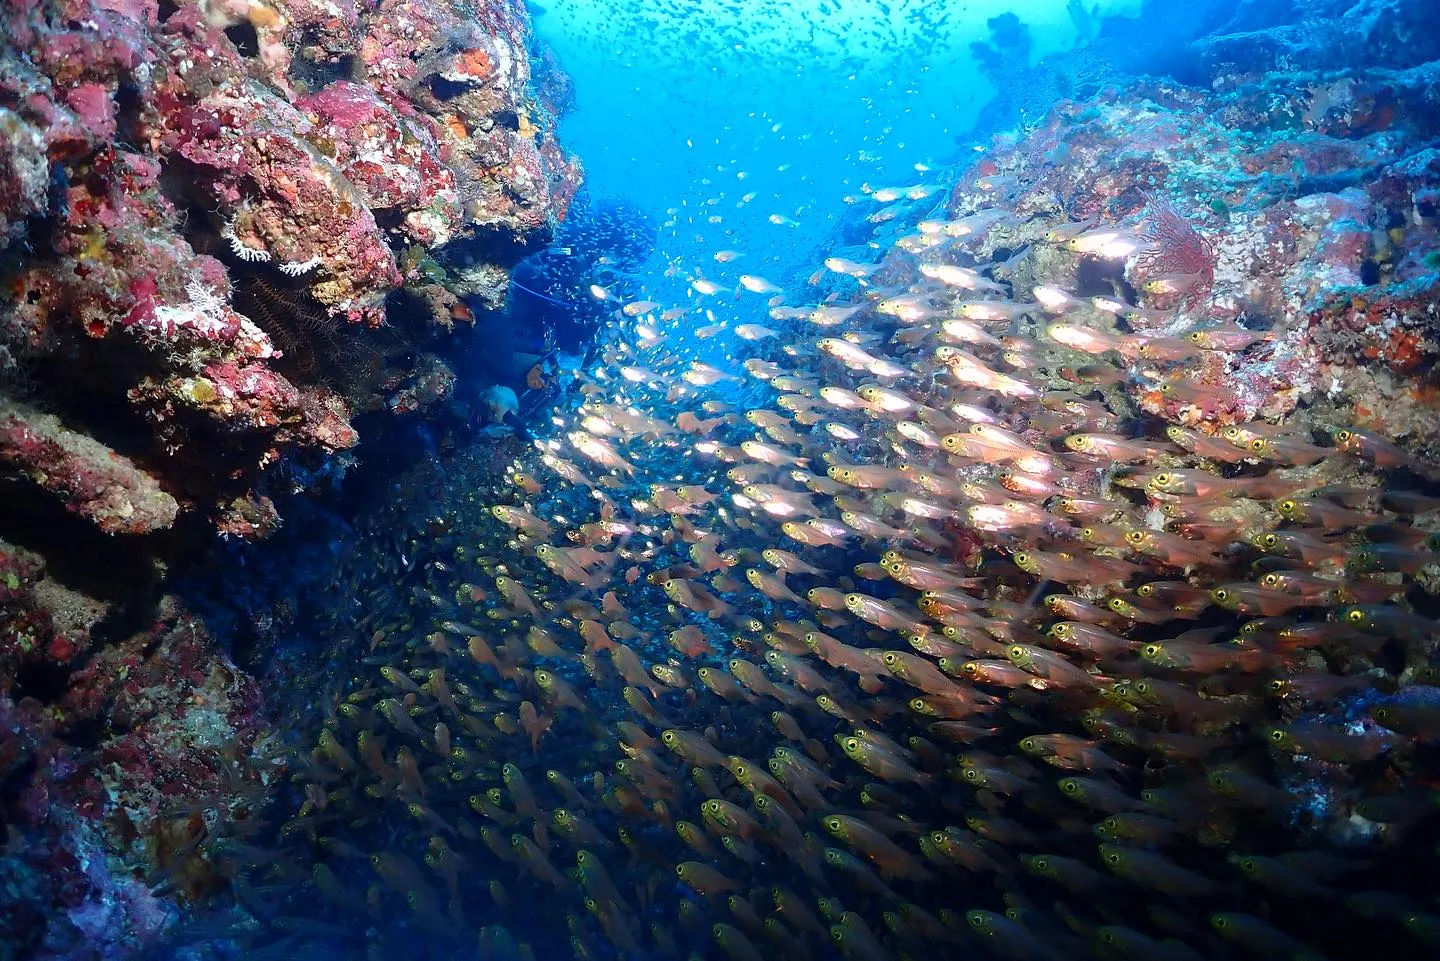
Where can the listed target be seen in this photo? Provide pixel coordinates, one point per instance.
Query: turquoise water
(687, 109)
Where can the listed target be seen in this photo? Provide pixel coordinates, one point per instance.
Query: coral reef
(1305, 200)
(205, 212)
(119, 774)
(1204, 294)
(228, 228)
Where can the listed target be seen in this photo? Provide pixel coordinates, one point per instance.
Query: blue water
(748, 111)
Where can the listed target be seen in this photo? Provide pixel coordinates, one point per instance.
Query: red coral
(1177, 248)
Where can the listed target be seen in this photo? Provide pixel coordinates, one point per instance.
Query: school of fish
(893, 627)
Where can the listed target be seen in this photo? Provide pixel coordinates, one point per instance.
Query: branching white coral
(248, 254)
(303, 267)
(206, 314)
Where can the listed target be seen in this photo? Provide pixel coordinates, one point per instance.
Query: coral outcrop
(1300, 205)
(227, 227)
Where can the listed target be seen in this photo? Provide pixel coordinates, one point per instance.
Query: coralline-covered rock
(1301, 206)
(107, 838)
(226, 228)
(89, 478)
(210, 210)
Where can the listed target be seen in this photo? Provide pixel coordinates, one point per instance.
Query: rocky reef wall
(228, 228)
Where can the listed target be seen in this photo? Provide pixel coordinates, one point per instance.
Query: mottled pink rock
(90, 479)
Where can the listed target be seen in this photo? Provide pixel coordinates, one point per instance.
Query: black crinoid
(316, 347)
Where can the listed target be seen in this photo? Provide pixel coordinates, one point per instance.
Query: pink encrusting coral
(88, 478)
(106, 839)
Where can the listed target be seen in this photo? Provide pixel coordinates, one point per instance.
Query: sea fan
(1176, 247)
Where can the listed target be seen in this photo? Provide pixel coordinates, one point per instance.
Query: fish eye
(1277, 686)
(1258, 444)
(1028, 744)
(970, 667)
(1040, 864)
(1151, 650)
(971, 774)
(1163, 479)
(1069, 786)
(1016, 651)
(681, 870)
(1220, 921)
(1278, 735)
(851, 743)
(1112, 857)
(1116, 604)
(668, 737)
(1221, 594)
(832, 824)
(1196, 337)
(1145, 590)
(1343, 435)
(889, 657)
(1270, 540)
(832, 856)
(1136, 537)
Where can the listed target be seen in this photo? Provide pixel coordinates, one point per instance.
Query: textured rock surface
(227, 228)
(1314, 195)
(211, 215)
(114, 786)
